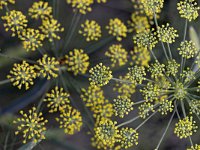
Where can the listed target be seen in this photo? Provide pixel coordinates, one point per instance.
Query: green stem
(127, 122)
(4, 82)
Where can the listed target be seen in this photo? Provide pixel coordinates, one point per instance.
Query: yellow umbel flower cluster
(152, 6)
(47, 67)
(22, 75)
(145, 109)
(138, 23)
(125, 87)
(83, 6)
(77, 61)
(128, 137)
(187, 49)
(32, 126)
(117, 54)
(6, 2)
(91, 30)
(195, 107)
(167, 34)
(188, 9)
(165, 107)
(140, 56)
(107, 132)
(70, 120)
(57, 99)
(117, 28)
(16, 22)
(31, 39)
(122, 106)
(157, 70)
(172, 67)
(50, 28)
(40, 10)
(100, 75)
(146, 39)
(185, 127)
(136, 74)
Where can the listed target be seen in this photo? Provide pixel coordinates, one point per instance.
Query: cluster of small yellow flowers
(180, 91)
(146, 39)
(187, 49)
(22, 74)
(104, 110)
(16, 22)
(185, 127)
(57, 100)
(47, 67)
(188, 9)
(138, 23)
(152, 6)
(117, 54)
(195, 147)
(188, 75)
(32, 125)
(100, 75)
(167, 34)
(128, 137)
(107, 132)
(172, 67)
(195, 107)
(31, 39)
(77, 61)
(163, 83)
(156, 70)
(5, 3)
(91, 30)
(122, 106)
(83, 6)
(50, 27)
(117, 28)
(140, 56)
(123, 88)
(70, 120)
(40, 10)
(151, 92)
(145, 109)
(136, 74)
(165, 107)
(93, 96)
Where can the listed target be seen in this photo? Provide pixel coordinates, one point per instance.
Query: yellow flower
(77, 61)
(146, 39)
(58, 99)
(31, 39)
(22, 75)
(167, 34)
(47, 67)
(16, 22)
(145, 109)
(32, 126)
(5, 3)
(100, 75)
(185, 127)
(138, 23)
(122, 106)
(195, 107)
(117, 28)
(117, 54)
(172, 68)
(101, 1)
(70, 120)
(165, 107)
(91, 30)
(128, 138)
(152, 6)
(83, 6)
(157, 70)
(136, 74)
(140, 56)
(126, 88)
(107, 132)
(187, 49)
(188, 9)
(195, 147)
(50, 28)
(93, 96)
(40, 10)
